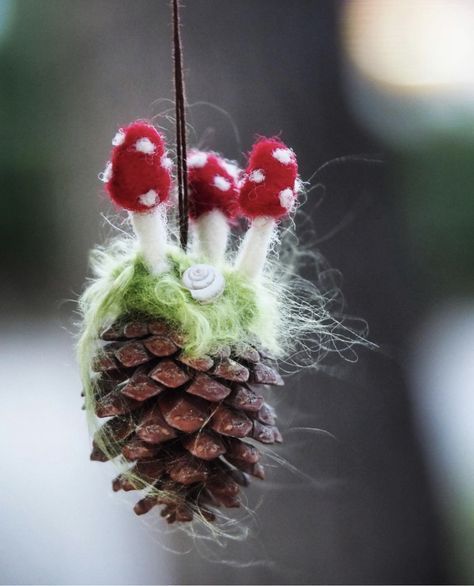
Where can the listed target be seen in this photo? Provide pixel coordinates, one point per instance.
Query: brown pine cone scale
(187, 424)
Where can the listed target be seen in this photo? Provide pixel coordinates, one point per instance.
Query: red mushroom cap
(269, 186)
(213, 184)
(138, 177)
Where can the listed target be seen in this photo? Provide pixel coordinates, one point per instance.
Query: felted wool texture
(211, 185)
(139, 166)
(272, 170)
(152, 233)
(211, 235)
(254, 247)
(125, 286)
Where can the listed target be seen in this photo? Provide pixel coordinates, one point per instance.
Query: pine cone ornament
(173, 347)
(183, 423)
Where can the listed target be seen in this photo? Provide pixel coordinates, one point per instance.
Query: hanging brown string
(179, 96)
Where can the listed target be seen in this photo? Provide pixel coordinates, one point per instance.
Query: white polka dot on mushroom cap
(144, 145)
(257, 176)
(197, 160)
(149, 198)
(221, 183)
(106, 174)
(166, 162)
(285, 156)
(286, 198)
(119, 138)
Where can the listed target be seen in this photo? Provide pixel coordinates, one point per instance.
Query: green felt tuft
(126, 287)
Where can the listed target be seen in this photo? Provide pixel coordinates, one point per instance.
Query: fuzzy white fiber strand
(151, 231)
(211, 234)
(255, 246)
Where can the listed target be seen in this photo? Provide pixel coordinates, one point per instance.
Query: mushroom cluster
(138, 179)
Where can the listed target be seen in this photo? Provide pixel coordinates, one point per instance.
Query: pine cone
(181, 421)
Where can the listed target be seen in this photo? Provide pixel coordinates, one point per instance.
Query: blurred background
(391, 499)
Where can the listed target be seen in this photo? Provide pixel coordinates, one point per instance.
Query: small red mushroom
(138, 179)
(268, 193)
(138, 176)
(213, 185)
(213, 201)
(269, 187)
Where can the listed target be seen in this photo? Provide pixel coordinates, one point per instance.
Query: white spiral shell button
(204, 282)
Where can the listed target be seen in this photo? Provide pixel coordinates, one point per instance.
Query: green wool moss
(206, 327)
(124, 286)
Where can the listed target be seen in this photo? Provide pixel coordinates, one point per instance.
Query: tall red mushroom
(267, 194)
(138, 179)
(213, 201)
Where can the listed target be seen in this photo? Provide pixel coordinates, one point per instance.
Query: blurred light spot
(411, 44)
(442, 373)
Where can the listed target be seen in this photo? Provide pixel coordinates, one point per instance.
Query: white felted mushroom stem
(254, 248)
(211, 234)
(151, 231)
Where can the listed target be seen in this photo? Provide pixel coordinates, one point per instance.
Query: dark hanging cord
(179, 97)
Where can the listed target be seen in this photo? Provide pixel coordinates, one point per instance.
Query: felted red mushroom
(138, 179)
(213, 201)
(267, 194)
